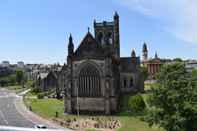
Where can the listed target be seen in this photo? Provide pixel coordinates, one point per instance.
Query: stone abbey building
(95, 76)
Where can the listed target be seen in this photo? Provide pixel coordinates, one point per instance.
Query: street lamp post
(78, 101)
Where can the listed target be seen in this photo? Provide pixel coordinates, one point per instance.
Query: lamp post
(78, 100)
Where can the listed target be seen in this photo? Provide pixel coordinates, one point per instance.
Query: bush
(29, 83)
(9, 80)
(41, 95)
(3, 83)
(136, 103)
(35, 90)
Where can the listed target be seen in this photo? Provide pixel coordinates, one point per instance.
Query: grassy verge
(47, 108)
(16, 88)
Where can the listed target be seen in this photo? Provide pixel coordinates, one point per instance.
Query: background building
(153, 64)
(191, 65)
(5, 64)
(20, 64)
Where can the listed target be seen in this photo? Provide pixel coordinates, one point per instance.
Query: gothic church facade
(95, 76)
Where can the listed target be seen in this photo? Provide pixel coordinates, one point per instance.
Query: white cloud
(178, 16)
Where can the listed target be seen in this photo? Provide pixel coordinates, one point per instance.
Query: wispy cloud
(178, 16)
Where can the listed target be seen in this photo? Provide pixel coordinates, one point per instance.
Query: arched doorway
(89, 82)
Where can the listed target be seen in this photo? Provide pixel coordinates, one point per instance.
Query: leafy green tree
(19, 76)
(3, 82)
(136, 103)
(144, 72)
(194, 73)
(8, 80)
(11, 79)
(178, 60)
(174, 101)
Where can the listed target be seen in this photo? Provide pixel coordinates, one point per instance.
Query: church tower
(107, 33)
(144, 52)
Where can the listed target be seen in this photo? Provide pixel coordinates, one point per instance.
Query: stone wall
(89, 104)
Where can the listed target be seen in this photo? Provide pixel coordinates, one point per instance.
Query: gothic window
(131, 82)
(89, 82)
(109, 38)
(103, 41)
(125, 83)
(100, 38)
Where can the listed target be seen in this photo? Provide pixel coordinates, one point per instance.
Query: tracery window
(89, 82)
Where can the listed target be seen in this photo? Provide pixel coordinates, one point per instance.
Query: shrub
(35, 90)
(41, 95)
(136, 103)
(30, 83)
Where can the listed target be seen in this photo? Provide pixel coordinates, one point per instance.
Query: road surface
(9, 115)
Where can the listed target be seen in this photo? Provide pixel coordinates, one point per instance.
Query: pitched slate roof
(88, 48)
(127, 66)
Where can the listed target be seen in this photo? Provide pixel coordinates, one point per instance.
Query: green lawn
(134, 124)
(148, 86)
(47, 108)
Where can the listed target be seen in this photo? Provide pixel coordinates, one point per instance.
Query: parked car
(40, 127)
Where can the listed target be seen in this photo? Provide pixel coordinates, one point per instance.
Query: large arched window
(89, 82)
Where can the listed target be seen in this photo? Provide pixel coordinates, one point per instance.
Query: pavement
(24, 92)
(13, 112)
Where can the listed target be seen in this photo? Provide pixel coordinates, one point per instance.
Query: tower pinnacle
(144, 52)
(133, 53)
(70, 45)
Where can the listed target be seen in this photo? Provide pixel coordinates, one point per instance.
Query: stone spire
(133, 53)
(145, 48)
(116, 16)
(70, 45)
(144, 52)
(156, 55)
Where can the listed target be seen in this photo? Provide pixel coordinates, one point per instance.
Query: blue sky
(36, 31)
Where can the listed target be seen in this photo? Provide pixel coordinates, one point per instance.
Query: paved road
(9, 114)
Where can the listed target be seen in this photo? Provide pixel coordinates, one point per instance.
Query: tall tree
(174, 100)
(178, 60)
(144, 72)
(19, 76)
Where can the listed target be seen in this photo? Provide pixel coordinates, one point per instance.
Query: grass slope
(47, 108)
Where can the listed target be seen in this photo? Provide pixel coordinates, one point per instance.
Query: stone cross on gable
(88, 29)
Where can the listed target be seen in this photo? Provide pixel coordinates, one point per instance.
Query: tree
(19, 76)
(144, 72)
(174, 101)
(136, 103)
(194, 73)
(178, 60)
